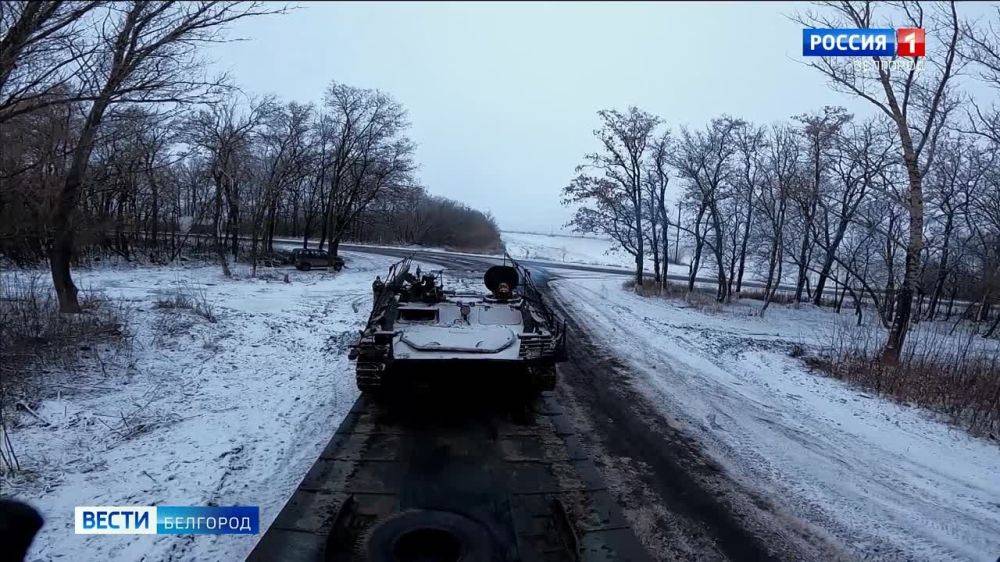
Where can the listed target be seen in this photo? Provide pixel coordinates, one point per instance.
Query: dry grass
(33, 332)
(700, 299)
(38, 345)
(184, 299)
(178, 313)
(956, 375)
(779, 297)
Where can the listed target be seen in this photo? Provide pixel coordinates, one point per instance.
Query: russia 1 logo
(910, 42)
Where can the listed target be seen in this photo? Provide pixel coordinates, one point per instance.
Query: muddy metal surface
(507, 474)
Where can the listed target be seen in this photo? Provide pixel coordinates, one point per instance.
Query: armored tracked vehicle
(418, 329)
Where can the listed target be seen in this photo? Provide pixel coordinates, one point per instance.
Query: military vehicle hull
(419, 333)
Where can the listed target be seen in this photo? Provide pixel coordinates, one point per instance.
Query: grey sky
(503, 96)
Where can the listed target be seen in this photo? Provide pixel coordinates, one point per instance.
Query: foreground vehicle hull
(420, 334)
(448, 476)
(455, 374)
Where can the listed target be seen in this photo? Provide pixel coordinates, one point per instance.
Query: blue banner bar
(848, 42)
(197, 520)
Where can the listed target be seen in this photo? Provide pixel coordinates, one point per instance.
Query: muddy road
(589, 472)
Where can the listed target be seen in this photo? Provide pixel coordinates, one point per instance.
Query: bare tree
(43, 46)
(958, 172)
(751, 142)
(982, 48)
(706, 160)
(369, 154)
(783, 173)
(657, 179)
(147, 54)
(982, 220)
(859, 160)
(224, 133)
(819, 131)
(611, 195)
(284, 141)
(918, 101)
(235, 173)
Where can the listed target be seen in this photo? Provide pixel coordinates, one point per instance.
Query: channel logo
(883, 42)
(167, 520)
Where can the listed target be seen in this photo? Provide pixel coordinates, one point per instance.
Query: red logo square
(910, 42)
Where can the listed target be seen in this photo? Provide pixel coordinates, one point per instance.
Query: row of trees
(901, 209)
(113, 136)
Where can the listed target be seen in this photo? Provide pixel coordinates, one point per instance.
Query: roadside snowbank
(887, 480)
(225, 413)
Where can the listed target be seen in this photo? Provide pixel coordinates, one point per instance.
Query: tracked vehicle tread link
(417, 327)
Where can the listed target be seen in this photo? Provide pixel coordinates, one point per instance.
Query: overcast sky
(502, 97)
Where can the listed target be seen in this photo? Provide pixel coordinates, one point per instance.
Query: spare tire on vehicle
(423, 534)
(500, 274)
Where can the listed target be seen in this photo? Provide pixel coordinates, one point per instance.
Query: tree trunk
(951, 301)
(774, 265)
(666, 252)
(155, 218)
(904, 295)
(942, 270)
(637, 204)
(993, 328)
(234, 228)
(723, 293)
(61, 252)
(800, 281)
(699, 242)
(838, 294)
(677, 240)
(655, 243)
(831, 255)
(743, 247)
(334, 248)
(983, 313)
(695, 263)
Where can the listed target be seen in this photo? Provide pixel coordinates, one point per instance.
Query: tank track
(372, 364)
(369, 376)
(542, 377)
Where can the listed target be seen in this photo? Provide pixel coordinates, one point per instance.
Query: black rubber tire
(338, 266)
(305, 266)
(461, 538)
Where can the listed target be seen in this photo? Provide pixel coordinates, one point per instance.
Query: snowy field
(587, 250)
(226, 413)
(884, 479)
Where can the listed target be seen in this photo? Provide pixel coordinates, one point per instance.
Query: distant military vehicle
(305, 259)
(418, 327)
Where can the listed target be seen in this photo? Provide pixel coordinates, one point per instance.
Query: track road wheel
(542, 377)
(369, 376)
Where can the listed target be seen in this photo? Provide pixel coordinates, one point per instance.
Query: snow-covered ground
(226, 413)
(888, 481)
(587, 250)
